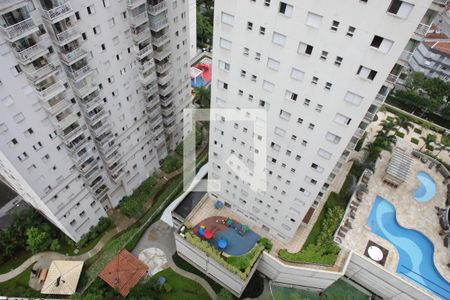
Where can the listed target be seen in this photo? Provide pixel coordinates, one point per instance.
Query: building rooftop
(62, 277)
(123, 272)
(441, 46)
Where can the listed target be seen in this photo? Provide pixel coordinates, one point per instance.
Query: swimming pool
(427, 188)
(416, 261)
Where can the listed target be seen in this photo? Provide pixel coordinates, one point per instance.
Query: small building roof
(123, 272)
(62, 277)
(441, 46)
(399, 166)
(195, 72)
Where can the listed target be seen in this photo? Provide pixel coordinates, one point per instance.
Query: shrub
(132, 206)
(55, 245)
(390, 119)
(103, 225)
(361, 142)
(445, 140)
(170, 164)
(400, 134)
(224, 294)
(418, 130)
(415, 141)
(266, 243)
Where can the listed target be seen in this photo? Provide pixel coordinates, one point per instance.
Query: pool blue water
(427, 188)
(416, 261)
(199, 82)
(237, 244)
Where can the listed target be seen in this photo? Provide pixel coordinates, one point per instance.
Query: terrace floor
(410, 213)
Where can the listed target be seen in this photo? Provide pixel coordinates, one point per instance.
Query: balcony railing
(153, 113)
(102, 129)
(150, 90)
(19, 29)
(147, 78)
(392, 78)
(359, 132)
(405, 56)
(164, 91)
(422, 29)
(29, 54)
(441, 2)
(91, 104)
(144, 51)
(79, 159)
(159, 41)
(161, 54)
(169, 119)
(135, 3)
(72, 55)
(35, 74)
(138, 36)
(94, 118)
(379, 99)
(158, 24)
(168, 110)
(160, 68)
(67, 35)
(58, 107)
(147, 65)
(138, 19)
(157, 8)
(112, 158)
(57, 11)
(72, 133)
(51, 90)
(158, 131)
(82, 88)
(369, 116)
(163, 79)
(69, 119)
(76, 75)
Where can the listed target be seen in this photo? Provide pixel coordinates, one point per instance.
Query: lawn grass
(182, 287)
(18, 286)
(15, 261)
(182, 264)
(445, 140)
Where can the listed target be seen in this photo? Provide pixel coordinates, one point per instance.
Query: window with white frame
(225, 44)
(342, 119)
(290, 95)
(366, 73)
(279, 39)
(297, 74)
(331, 137)
(222, 85)
(224, 65)
(227, 19)
(324, 153)
(382, 44)
(273, 64)
(268, 86)
(353, 98)
(286, 9)
(279, 131)
(313, 20)
(401, 9)
(285, 115)
(304, 48)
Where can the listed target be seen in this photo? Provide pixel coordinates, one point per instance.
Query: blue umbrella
(219, 204)
(222, 244)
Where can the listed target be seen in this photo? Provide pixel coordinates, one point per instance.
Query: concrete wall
(210, 267)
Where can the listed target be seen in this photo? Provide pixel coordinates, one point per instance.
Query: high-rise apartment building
(319, 68)
(91, 97)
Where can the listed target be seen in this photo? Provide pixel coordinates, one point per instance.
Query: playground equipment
(218, 204)
(201, 230)
(222, 244)
(208, 234)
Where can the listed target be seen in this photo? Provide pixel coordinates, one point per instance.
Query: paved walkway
(160, 235)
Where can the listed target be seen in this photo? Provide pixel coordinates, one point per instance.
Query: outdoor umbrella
(208, 234)
(222, 244)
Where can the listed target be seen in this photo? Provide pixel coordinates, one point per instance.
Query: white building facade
(92, 94)
(319, 68)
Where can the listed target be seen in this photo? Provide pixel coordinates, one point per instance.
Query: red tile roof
(123, 272)
(441, 46)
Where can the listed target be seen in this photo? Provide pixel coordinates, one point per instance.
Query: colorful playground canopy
(208, 234)
(195, 72)
(222, 244)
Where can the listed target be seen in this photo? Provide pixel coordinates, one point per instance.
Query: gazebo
(62, 277)
(123, 272)
(195, 73)
(398, 169)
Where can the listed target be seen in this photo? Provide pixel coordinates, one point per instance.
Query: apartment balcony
(405, 56)
(369, 117)
(68, 120)
(98, 131)
(101, 192)
(150, 90)
(29, 54)
(392, 78)
(97, 182)
(51, 91)
(167, 110)
(158, 24)
(359, 133)
(112, 158)
(95, 117)
(58, 12)
(86, 167)
(135, 3)
(159, 141)
(169, 119)
(144, 51)
(77, 75)
(161, 54)
(422, 29)
(116, 176)
(72, 56)
(157, 8)
(90, 104)
(138, 19)
(158, 131)
(147, 65)
(84, 87)
(164, 91)
(379, 99)
(159, 41)
(147, 78)
(438, 5)
(171, 128)
(161, 68)
(139, 36)
(35, 74)
(58, 107)
(19, 30)
(153, 113)
(71, 134)
(67, 35)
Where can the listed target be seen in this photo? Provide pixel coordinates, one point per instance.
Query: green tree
(388, 125)
(402, 122)
(202, 96)
(204, 30)
(55, 245)
(224, 294)
(428, 140)
(37, 240)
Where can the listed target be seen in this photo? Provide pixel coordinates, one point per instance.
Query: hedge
(103, 225)
(400, 134)
(132, 206)
(418, 130)
(415, 141)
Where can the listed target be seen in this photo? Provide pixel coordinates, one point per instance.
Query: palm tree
(202, 96)
(402, 122)
(388, 125)
(428, 140)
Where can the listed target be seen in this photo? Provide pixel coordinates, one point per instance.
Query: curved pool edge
(427, 189)
(382, 224)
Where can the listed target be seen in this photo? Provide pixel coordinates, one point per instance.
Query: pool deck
(410, 213)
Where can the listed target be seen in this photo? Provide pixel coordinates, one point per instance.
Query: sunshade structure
(123, 272)
(398, 169)
(62, 277)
